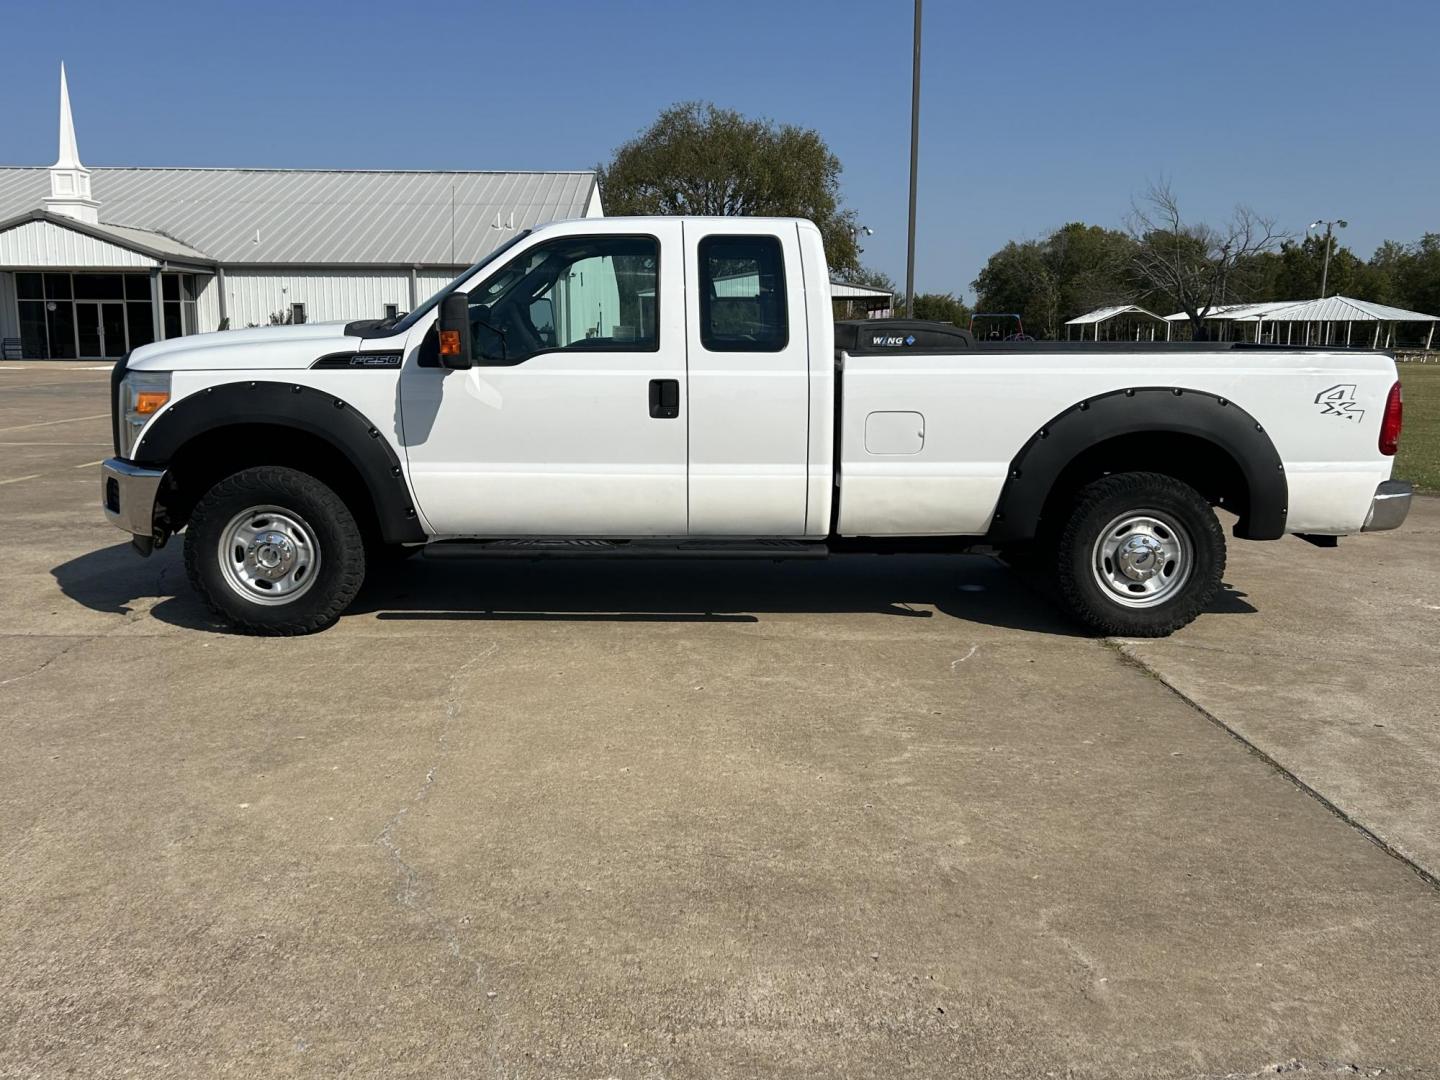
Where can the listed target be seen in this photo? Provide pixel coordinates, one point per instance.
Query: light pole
(1329, 229)
(914, 158)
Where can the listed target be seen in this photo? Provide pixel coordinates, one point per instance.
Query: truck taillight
(1390, 425)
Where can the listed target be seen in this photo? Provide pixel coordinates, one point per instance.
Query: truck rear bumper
(127, 492)
(1390, 505)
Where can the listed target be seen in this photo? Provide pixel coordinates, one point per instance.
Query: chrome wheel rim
(269, 555)
(1142, 558)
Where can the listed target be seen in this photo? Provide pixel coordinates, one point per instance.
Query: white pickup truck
(662, 387)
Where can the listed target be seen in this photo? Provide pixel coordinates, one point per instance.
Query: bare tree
(1196, 266)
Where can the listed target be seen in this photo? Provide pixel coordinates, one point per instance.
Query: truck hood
(265, 347)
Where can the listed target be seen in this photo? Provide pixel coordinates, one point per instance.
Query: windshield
(414, 316)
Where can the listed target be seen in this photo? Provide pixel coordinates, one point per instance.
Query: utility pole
(1325, 267)
(914, 160)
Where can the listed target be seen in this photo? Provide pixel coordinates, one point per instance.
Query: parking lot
(865, 817)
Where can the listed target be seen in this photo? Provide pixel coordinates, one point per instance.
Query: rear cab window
(743, 306)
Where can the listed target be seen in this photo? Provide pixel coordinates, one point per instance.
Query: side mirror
(454, 327)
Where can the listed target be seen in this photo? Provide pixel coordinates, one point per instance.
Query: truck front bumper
(127, 492)
(1390, 505)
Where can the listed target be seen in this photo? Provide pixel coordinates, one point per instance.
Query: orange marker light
(449, 342)
(149, 401)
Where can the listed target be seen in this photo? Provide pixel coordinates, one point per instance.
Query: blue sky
(1033, 114)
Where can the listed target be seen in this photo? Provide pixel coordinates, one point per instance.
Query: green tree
(1075, 269)
(1409, 273)
(1019, 279)
(697, 158)
(940, 307)
(1301, 268)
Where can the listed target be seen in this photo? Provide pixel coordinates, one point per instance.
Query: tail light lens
(1390, 425)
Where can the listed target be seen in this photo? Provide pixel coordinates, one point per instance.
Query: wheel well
(1193, 460)
(220, 452)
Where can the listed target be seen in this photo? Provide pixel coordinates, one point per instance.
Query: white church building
(97, 261)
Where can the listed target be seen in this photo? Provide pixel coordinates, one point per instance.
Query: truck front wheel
(274, 551)
(1140, 555)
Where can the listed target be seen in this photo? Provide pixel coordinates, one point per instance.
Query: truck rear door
(748, 367)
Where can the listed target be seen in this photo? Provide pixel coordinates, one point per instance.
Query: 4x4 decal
(1340, 401)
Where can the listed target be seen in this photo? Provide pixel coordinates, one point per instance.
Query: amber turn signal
(449, 342)
(149, 401)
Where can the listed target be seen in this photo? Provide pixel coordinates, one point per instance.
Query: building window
(742, 294)
(392, 311)
(64, 316)
(297, 313)
(177, 294)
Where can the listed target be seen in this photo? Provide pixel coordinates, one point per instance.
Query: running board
(625, 549)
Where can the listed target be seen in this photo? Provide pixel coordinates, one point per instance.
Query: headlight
(142, 395)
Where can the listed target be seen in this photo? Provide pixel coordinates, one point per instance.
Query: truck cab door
(572, 421)
(749, 386)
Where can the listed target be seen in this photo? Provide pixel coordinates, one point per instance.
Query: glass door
(112, 330)
(88, 338)
(99, 329)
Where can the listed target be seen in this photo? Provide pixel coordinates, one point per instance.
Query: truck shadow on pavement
(972, 588)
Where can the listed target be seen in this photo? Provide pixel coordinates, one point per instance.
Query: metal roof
(1099, 315)
(319, 217)
(1331, 309)
(1345, 309)
(1235, 311)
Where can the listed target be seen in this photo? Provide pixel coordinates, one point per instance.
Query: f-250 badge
(1340, 401)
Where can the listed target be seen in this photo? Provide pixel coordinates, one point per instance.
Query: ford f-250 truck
(661, 387)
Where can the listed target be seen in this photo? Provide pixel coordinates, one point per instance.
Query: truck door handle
(664, 398)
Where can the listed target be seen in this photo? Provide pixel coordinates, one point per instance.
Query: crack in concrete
(1295, 1066)
(1138, 662)
(1092, 967)
(142, 608)
(1259, 652)
(409, 887)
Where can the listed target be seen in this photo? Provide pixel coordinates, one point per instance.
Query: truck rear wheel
(274, 551)
(1140, 555)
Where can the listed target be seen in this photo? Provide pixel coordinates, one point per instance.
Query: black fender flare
(304, 408)
(1217, 420)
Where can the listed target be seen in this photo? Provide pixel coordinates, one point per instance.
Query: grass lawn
(1419, 457)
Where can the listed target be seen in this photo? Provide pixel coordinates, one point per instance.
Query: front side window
(742, 294)
(582, 293)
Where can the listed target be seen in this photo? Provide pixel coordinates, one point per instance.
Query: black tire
(1095, 588)
(339, 551)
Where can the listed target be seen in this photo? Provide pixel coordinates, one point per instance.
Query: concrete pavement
(869, 817)
(1336, 677)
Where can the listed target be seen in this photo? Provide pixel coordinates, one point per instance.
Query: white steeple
(70, 180)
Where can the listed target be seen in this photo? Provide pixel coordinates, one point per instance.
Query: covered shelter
(1118, 322)
(1328, 321)
(1331, 321)
(1224, 322)
(849, 299)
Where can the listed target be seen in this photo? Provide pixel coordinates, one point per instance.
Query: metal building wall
(429, 282)
(207, 304)
(328, 295)
(39, 243)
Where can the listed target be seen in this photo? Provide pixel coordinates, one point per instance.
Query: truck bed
(929, 421)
